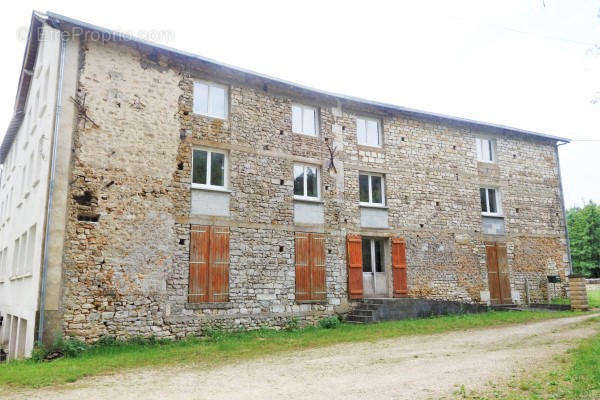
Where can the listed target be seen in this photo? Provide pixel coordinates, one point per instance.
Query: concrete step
(360, 311)
(359, 318)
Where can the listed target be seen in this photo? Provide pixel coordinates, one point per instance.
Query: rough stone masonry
(127, 250)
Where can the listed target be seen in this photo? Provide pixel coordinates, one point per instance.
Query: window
(490, 201)
(306, 182)
(209, 168)
(210, 99)
(30, 249)
(371, 188)
(30, 171)
(22, 254)
(368, 132)
(486, 150)
(304, 120)
(372, 255)
(310, 266)
(16, 249)
(209, 264)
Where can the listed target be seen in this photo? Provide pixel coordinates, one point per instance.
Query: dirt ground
(418, 367)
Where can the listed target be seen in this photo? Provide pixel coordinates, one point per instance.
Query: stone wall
(126, 252)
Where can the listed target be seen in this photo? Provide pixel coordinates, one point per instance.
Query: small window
(368, 132)
(306, 182)
(304, 119)
(209, 168)
(490, 201)
(486, 150)
(371, 189)
(210, 99)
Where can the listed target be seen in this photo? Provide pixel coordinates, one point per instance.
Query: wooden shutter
(219, 264)
(493, 279)
(302, 255)
(354, 256)
(503, 276)
(199, 258)
(399, 267)
(318, 289)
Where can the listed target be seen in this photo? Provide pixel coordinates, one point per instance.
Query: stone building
(173, 193)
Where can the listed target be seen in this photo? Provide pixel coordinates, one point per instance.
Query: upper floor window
(209, 168)
(490, 201)
(210, 99)
(306, 182)
(304, 120)
(486, 150)
(368, 132)
(371, 189)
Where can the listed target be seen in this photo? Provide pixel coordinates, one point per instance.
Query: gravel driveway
(418, 367)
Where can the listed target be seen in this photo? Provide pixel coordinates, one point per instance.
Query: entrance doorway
(374, 274)
(498, 277)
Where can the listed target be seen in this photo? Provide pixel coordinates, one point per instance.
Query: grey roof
(65, 23)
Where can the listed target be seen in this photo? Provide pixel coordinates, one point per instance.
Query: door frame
(385, 263)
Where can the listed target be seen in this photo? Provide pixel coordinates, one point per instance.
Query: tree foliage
(584, 233)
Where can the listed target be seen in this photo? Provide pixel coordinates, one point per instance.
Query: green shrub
(108, 341)
(330, 322)
(291, 324)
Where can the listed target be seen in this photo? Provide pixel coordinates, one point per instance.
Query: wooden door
(354, 258)
(498, 276)
(310, 266)
(399, 267)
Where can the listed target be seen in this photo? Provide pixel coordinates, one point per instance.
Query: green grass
(593, 299)
(221, 348)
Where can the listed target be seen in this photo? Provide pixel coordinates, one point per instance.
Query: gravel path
(418, 367)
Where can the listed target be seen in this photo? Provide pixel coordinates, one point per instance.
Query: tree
(584, 233)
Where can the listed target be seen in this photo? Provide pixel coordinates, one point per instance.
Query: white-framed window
(304, 120)
(31, 239)
(15, 265)
(210, 99)
(306, 182)
(486, 149)
(490, 201)
(371, 189)
(209, 168)
(368, 132)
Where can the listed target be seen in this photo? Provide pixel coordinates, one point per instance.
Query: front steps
(390, 309)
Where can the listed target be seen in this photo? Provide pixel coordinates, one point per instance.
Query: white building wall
(23, 193)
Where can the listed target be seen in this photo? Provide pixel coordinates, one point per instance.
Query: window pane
(298, 180)
(372, 133)
(378, 256)
(361, 131)
(366, 255)
(376, 189)
(363, 184)
(482, 194)
(199, 167)
(217, 169)
(311, 182)
(200, 98)
(492, 197)
(216, 105)
(308, 121)
(296, 119)
(491, 150)
(479, 144)
(485, 149)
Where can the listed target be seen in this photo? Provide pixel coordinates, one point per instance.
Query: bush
(61, 347)
(291, 324)
(108, 341)
(330, 322)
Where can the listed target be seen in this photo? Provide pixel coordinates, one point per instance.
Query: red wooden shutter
(493, 279)
(354, 255)
(399, 267)
(504, 280)
(317, 266)
(219, 264)
(302, 255)
(199, 258)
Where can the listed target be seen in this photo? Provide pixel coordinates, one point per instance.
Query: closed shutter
(199, 256)
(219, 264)
(310, 266)
(354, 256)
(503, 276)
(209, 264)
(399, 267)
(493, 279)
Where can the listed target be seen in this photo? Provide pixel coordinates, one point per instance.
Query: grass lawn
(576, 377)
(593, 299)
(226, 347)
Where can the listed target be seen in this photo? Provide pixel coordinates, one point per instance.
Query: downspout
(562, 205)
(57, 112)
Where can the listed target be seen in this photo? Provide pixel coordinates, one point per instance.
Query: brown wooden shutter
(354, 255)
(302, 255)
(219, 264)
(199, 258)
(399, 267)
(503, 276)
(493, 279)
(318, 289)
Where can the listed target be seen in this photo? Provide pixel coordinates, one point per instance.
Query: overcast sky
(523, 63)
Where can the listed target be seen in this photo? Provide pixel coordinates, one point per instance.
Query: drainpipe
(57, 112)
(562, 205)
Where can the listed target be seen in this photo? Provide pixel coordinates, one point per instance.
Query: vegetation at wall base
(217, 347)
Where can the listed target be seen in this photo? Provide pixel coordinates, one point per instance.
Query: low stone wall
(397, 309)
